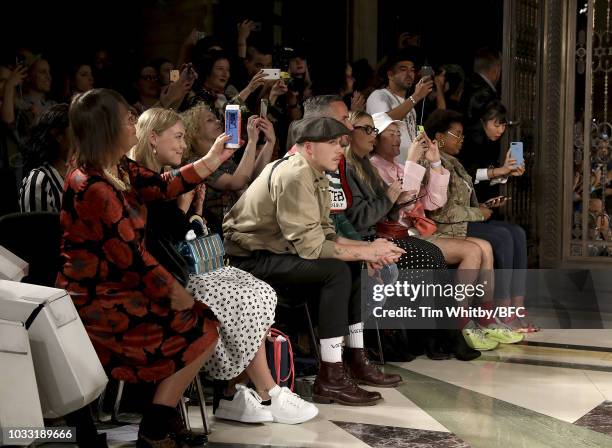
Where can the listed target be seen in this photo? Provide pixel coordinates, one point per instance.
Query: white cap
(382, 121)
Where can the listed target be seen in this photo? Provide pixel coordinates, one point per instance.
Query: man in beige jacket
(280, 231)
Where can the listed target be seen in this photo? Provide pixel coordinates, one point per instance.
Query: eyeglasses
(458, 137)
(132, 119)
(368, 129)
(149, 77)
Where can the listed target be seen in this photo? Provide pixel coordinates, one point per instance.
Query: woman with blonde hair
(244, 305)
(223, 187)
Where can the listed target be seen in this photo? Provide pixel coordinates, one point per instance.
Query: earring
(154, 150)
(441, 143)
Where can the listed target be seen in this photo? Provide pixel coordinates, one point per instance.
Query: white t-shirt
(383, 100)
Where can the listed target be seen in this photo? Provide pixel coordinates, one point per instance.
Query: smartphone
(498, 198)
(256, 27)
(413, 200)
(20, 60)
(200, 35)
(174, 75)
(421, 129)
(271, 73)
(263, 110)
(516, 152)
(232, 125)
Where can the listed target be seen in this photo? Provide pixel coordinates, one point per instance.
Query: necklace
(119, 184)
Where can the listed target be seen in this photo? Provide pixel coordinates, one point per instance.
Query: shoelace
(479, 334)
(251, 396)
(292, 398)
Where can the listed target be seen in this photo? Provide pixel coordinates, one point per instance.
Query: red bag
(416, 218)
(280, 358)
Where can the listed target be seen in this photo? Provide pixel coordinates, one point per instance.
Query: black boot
(433, 345)
(460, 348)
(86, 433)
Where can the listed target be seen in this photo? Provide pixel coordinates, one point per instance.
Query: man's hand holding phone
(423, 88)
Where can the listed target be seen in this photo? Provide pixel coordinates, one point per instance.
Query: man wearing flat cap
(281, 232)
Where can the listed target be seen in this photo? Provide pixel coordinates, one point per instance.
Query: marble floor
(553, 390)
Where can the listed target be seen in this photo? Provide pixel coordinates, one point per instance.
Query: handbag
(415, 219)
(391, 230)
(279, 355)
(203, 254)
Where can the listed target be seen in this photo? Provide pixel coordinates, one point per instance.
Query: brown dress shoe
(359, 368)
(334, 385)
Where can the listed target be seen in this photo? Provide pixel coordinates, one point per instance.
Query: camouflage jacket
(461, 206)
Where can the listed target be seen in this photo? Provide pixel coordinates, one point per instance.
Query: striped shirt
(42, 190)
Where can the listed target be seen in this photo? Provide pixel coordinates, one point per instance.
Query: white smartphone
(271, 73)
(263, 110)
(232, 125)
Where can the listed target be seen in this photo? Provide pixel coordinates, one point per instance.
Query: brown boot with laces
(358, 366)
(334, 385)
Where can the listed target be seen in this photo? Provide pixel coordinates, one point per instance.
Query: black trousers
(336, 283)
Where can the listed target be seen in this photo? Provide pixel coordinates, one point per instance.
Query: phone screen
(263, 111)
(516, 152)
(232, 126)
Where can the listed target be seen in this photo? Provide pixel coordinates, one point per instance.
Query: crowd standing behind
(303, 203)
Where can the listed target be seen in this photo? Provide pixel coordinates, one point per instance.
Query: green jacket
(462, 204)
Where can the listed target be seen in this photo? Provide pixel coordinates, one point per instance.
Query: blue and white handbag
(203, 254)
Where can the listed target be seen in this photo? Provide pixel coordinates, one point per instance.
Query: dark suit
(477, 91)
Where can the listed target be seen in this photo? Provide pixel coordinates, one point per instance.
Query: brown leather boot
(359, 368)
(334, 385)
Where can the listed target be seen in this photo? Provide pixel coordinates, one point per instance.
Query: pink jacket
(434, 192)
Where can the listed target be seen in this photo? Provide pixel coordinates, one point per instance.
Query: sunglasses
(368, 129)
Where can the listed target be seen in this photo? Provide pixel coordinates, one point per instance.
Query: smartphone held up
(232, 125)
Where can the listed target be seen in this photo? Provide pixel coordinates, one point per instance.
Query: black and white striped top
(42, 190)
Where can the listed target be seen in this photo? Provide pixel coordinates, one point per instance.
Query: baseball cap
(382, 121)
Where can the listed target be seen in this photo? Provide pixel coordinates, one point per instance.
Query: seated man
(280, 231)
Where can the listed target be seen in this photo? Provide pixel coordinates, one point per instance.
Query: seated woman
(243, 304)
(373, 201)
(223, 187)
(481, 150)
(462, 216)
(143, 324)
(46, 161)
(473, 256)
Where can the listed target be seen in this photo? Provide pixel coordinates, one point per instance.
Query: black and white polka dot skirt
(245, 307)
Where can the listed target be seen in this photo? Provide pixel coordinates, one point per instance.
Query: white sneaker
(245, 407)
(290, 408)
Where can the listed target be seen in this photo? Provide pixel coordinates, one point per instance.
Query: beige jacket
(284, 211)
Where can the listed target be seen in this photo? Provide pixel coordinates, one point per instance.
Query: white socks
(331, 349)
(355, 336)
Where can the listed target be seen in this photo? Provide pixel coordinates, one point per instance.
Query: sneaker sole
(296, 421)
(493, 338)
(326, 400)
(241, 418)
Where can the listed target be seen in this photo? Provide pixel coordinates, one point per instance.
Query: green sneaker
(502, 333)
(477, 340)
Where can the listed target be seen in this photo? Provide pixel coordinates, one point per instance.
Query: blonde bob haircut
(155, 120)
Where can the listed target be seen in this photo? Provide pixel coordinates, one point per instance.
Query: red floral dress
(119, 289)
